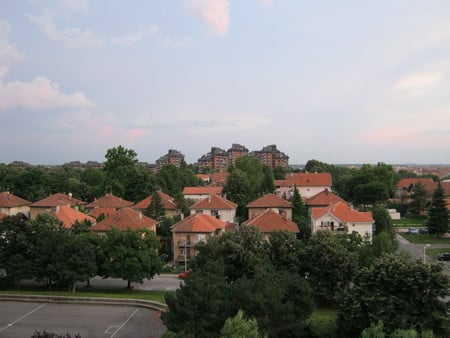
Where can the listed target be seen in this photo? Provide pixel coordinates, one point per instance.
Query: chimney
(209, 198)
(57, 209)
(140, 215)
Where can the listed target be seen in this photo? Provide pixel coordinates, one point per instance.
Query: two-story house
(50, 203)
(124, 219)
(168, 202)
(69, 216)
(199, 193)
(270, 201)
(11, 205)
(269, 221)
(308, 184)
(216, 206)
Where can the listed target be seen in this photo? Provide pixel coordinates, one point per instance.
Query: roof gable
(166, 200)
(199, 223)
(270, 201)
(269, 221)
(310, 179)
(69, 216)
(214, 202)
(405, 183)
(124, 219)
(56, 200)
(324, 198)
(343, 213)
(8, 200)
(202, 190)
(109, 201)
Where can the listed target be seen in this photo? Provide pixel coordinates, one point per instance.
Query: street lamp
(424, 251)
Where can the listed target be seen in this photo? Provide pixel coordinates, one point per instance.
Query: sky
(337, 81)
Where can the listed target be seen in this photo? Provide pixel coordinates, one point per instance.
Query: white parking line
(118, 329)
(24, 316)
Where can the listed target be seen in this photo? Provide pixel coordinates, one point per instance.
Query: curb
(149, 304)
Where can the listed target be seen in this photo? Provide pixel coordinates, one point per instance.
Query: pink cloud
(213, 12)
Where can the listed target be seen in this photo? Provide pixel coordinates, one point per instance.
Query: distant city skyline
(340, 82)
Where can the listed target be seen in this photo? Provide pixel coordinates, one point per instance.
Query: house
(11, 205)
(216, 206)
(109, 201)
(270, 201)
(170, 207)
(341, 218)
(308, 184)
(431, 187)
(49, 204)
(192, 230)
(101, 212)
(269, 221)
(406, 185)
(124, 219)
(323, 199)
(69, 216)
(199, 193)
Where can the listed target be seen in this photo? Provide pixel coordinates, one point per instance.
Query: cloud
(266, 2)
(419, 83)
(39, 95)
(70, 5)
(135, 37)
(213, 12)
(72, 37)
(9, 54)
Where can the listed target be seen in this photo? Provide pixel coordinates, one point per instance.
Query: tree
(396, 290)
(117, 159)
(384, 240)
(437, 221)
(253, 169)
(131, 255)
(300, 215)
(238, 326)
(267, 183)
(370, 193)
(238, 190)
(156, 208)
(284, 249)
(419, 200)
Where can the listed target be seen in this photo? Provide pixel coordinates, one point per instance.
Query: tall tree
(156, 208)
(253, 169)
(300, 215)
(268, 185)
(238, 190)
(418, 203)
(438, 213)
(118, 158)
(238, 326)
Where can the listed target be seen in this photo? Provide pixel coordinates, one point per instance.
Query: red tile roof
(69, 216)
(219, 177)
(56, 200)
(96, 212)
(269, 221)
(123, 219)
(270, 201)
(310, 179)
(8, 200)
(448, 203)
(283, 183)
(199, 223)
(323, 198)
(431, 187)
(109, 201)
(405, 183)
(166, 200)
(343, 212)
(214, 202)
(202, 190)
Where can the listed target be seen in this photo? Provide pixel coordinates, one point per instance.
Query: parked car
(184, 274)
(423, 231)
(413, 231)
(445, 256)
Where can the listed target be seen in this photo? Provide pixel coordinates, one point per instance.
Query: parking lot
(22, 319)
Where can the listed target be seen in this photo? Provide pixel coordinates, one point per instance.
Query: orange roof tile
(407, 182)
(343, 212)
(56, 200)
(270, 201)
(324, 198)
(199, 223)
(96, 212)
(431, 187)
(69, 216)
(283, 183)
(214, 202)
(310, 179)
(109, 201)
(202, 190)
(269, 221)
(123, 219)
(219, 177)
(8, 200)
(166, 200)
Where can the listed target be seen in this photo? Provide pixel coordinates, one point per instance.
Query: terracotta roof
(109, 201)
(407, 182)
(283, 183)
(166, 200)
(219, 177)
(123, 219)
(203, 177)
(69, 216)
(8, 200)
(96, 212)
(448, 203)
(269, 221)
(199, 223)
(310, 179)
(324, 198)
(343, 212)
(56, 200)
(202, 190)
(431, 187)
(270, 201)
(214, 202)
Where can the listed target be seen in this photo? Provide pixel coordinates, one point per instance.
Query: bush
(46, 334)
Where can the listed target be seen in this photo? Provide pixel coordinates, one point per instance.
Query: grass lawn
(434, 252)
(426, 239)
(157, 296)
(418, 221)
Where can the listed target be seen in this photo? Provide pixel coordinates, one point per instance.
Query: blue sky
(337, 81)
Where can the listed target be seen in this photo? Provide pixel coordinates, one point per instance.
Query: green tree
(374, 331)
(238, 190)
(300, 215)
(131, 255)
(118, 159)
(238, 326)
(418, 203)
(437, 221)
(396, 290)
(156, 208)
(284, 251)
(254, 171)
(267, 184)
(279, 173)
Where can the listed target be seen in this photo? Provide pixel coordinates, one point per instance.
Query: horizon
(340, 82)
